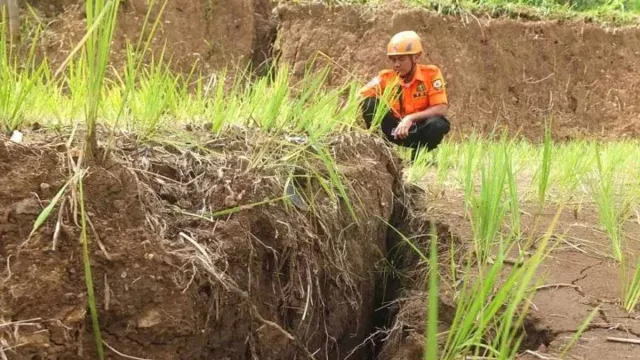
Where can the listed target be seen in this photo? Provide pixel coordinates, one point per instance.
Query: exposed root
(539, 356)
(56, 233)
(376, 336)
(207, 263)
(97, 238)
(121, 354)
(308, 280)
(8, 269)
(10, 334)
(623, 340)
(107, 293)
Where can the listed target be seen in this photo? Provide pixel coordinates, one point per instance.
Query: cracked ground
(579, 276)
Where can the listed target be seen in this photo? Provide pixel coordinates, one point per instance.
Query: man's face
(402, 64)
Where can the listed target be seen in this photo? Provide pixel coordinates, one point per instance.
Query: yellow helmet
(404, 43)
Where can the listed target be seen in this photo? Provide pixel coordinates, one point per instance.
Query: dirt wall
(213, 33)
(498, 72)
(270, 282)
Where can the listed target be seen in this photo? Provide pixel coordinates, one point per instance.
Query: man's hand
(402, 130)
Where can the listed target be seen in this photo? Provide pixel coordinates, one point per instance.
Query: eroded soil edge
(274, 281)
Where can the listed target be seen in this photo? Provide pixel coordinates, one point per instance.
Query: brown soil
(273, 271)
(575, 279)
(212, 33)
(499, 72)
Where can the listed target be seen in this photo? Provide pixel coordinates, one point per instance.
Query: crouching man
(416, 118)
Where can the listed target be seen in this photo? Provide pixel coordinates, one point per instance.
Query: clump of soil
(272, 281)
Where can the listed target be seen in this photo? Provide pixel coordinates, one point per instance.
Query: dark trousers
(425, 134)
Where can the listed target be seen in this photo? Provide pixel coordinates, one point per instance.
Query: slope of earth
(269, 280)
(577, 277)
(210, 34)
(498, 71)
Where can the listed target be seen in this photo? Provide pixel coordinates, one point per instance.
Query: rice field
(496, 183)
(498, 180)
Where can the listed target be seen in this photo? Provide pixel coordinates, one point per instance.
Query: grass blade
(46, 212)
(87, 274)
(431, 351)
(578, 333)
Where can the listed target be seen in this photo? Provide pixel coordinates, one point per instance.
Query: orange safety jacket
(426, 89)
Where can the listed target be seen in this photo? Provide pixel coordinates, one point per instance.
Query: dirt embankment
(498, 72)
(213, 33)
(270, 282)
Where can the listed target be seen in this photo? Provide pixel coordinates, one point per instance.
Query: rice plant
(101, 22)
(514, 201)
(545, 169)
(473, 147)
(88, 277)
(489, 310)
(485, 307)
(631, 292)
(19, 76)
(489, 206)
(431, 351)
(605, 196)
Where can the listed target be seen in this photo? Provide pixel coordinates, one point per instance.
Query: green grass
(431, 351)
(488, 206)
(631, 292)
(491, 303)
(619, 12)
(545, 169)
(496, 178)
(101, 22)
(86, 261)
(604, 191)
(569, 177)
(601, 176)
(16, 84)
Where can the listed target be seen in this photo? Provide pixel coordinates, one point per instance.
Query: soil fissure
(400, 288)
